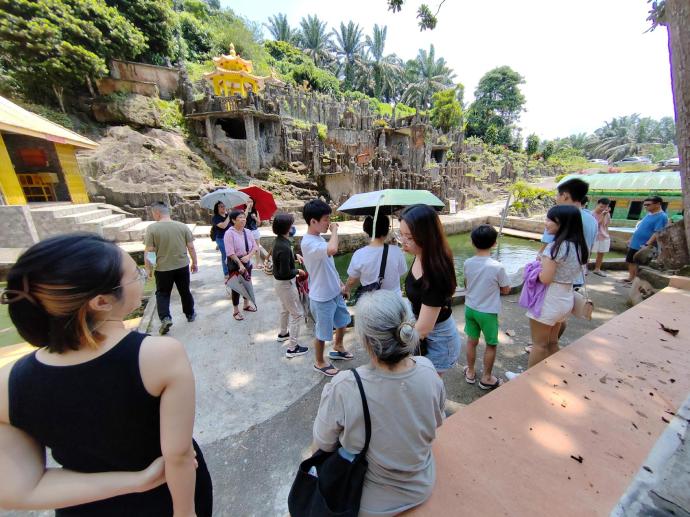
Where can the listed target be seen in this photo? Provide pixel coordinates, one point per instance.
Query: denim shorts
(443, 345)
(327, 315)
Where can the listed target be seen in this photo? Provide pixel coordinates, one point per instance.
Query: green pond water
(512, 252)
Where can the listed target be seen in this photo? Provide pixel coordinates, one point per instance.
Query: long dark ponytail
(437, 259)
(570, 231)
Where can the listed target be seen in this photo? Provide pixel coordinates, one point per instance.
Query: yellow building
(233, 75)
(38, 159)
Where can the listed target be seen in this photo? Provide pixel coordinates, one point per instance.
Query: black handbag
(233, 267)
(379, 282)
(336, 490)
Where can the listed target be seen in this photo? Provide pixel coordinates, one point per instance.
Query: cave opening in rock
(233, 128)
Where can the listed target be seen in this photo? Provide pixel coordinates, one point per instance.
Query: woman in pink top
(602, 244)
(240, 246)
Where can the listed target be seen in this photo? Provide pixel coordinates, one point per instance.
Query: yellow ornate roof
(15, 119)
(232, 61)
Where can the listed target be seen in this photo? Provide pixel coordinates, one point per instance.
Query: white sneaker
(511, 375)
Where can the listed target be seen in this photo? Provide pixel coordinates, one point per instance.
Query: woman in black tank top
(107, 402)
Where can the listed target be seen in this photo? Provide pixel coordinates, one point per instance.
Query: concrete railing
(579, 433)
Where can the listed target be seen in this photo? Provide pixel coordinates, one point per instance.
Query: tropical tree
(532, 144)
(155, 19)
(314, 39)
(63, 44)
(348, 45)
(498, 102)
(446, 112)
(624, 136)
(280, 29)
(387, 69)
(427, 75)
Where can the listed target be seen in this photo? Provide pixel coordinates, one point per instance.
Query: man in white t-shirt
(365, 264)
(325, 288)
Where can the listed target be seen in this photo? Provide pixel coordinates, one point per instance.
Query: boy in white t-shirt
(485, 280)
(325, 288)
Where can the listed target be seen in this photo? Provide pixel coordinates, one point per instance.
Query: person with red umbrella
(260, 207)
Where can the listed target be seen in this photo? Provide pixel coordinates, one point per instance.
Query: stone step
(111, 231)
(96, 225)
(63, 210)
(84, 217)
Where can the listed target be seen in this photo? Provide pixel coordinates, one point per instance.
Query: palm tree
(623, 136)
(427, 75)
(348, 47)
(314, 38)
(280, 29)
(387, 68)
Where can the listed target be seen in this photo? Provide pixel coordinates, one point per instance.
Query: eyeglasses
(142, 276)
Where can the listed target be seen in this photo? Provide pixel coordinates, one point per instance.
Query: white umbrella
(228, 196)
(240, 284)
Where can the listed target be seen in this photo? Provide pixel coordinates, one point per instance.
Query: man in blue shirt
(645, 233)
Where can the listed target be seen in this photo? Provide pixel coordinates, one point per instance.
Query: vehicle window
(635, 210)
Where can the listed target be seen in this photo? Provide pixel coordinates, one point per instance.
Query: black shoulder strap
(382, 269)
(367, 418)
(246, 242)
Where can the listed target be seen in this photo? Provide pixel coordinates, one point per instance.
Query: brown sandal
(238, 316)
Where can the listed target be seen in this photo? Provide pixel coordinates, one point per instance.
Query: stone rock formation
(133, 109)
(132, 170)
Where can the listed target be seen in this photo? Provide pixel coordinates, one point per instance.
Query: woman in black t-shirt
(220, 223)
(430, 284)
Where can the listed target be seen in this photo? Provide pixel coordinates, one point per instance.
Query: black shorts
(629, 255)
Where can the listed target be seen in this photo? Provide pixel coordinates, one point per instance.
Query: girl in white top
(406, 400)
(365, 264)
(562, 263)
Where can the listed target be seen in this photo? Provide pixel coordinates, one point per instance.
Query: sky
(584, 62)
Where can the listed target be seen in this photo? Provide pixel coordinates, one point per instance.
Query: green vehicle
(627, 190)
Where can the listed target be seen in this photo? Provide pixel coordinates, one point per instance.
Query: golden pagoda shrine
(233, 75)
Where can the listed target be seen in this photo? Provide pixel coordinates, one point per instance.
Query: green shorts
(484, 322)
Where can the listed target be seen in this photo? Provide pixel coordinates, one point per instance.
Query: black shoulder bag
(336, 489)
(232, 265)
(376, 285)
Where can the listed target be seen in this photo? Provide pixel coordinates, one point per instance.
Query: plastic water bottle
(151, 256)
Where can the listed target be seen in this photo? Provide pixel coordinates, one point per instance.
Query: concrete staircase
(91, 217)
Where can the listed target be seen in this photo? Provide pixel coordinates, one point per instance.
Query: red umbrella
(263, 201)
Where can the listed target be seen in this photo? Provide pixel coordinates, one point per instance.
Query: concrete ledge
(573, 432)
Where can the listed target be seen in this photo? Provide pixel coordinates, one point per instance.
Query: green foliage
(196, 71)
(426, 75)
(523, 192)
(285, 52)
(196, 36)
(57, 44)
(548, 150)
(171, 115)
(446, 111)
(498, 102)
(47, 112)
(280, 29)
(532, 144)
(314, 38)
(155, 19)
(225, 27)
(348, 45)
(630, 135)
(316, 78)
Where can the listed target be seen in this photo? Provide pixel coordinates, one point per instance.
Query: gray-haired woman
(406, 400)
